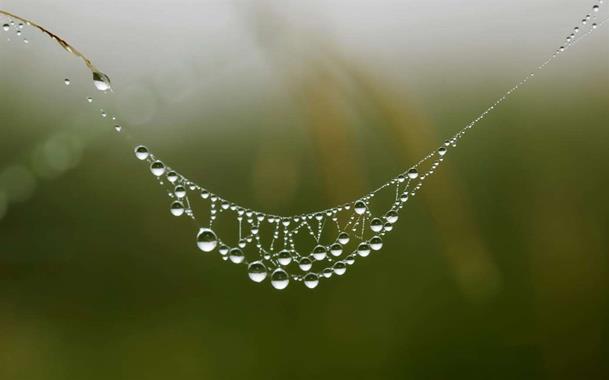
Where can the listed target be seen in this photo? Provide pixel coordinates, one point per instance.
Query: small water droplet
(66, 81)
(6, 27)
(311, 280)
(141, 152)
(157, 168)
(177, 208)
(413, 173)
(180, 191)
(442, 151)
(90, 99)
(376, 225)
(118, 127)
(223, 250)
(206, 240)
(280, 279)
(257, 271)
(101, 81)
(595, 8)
(172, 176)
(391, 216)
(343, 238)
(284, 257)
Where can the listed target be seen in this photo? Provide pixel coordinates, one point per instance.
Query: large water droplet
(157, 168)
(376, 243)
(340, 268)
(284, 257)
(363, 249)
(206, 240)
(336, 249)
(311, 280)
(319, 252)
(236, 255)
(343, 238)
(305, 264)
(391, 216)
(257, 271)
(101, 81)
(280, 279)
(359, 207)
(141, 152)
(376, 225)
(180, 191)
(177, 208)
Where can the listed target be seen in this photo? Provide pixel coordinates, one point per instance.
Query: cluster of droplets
(357, 230)
(17, 28)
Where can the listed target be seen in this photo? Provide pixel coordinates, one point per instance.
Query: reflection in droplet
(101, 81)
(311, 280)
(280, 279)
(141, 152)
(206, 240)
(257, 271)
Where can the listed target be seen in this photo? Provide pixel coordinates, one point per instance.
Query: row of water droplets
(355, 223)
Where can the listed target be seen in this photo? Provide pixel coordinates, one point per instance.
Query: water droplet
(103, 113)
(141, 152)
(90, 99)
(340, 268)
(257, 271)
(172, 176)
(413, 173)
(595, 8)
(359, 207)
(157, 168)
(118, 127)
(101, 81)
(442, 151)
(280, 279)
(206, 240)
(223, 250)
(391, 216)
(66, 81)
(284, 257)
(6, 27)
(311, 280)
(327, 272)
(204, 194)
(319, 252)
(594, 26)
(376, 243)
(177, 208)
(336, 249)
(343, 238)
(363, 249)
(376, 225)
(180, 191)
(236, 255)
(305, 264)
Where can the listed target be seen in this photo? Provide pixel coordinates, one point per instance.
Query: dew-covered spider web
(309, 247)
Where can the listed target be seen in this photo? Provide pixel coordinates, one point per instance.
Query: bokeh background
(498, 271)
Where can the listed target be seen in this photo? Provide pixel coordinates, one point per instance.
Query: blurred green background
(499, 270)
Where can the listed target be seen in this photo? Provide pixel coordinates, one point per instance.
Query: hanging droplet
(172, 176)
(284, 257)
(6, 27)
(343, 238)
(376, 243)
(223, 250)
(157, 168)
(350, 260)
(257, 271)
(180, 191)
(141, 152)
(118, 127)
(340, 268)
(359, 207)
(595, 8)
(413, 173)
(319, 252)
(391, 216)
(376, 225)
(336, 249)
(594, 26)
(90, 99)
(206, 240)
(305, 264)
(363, 249)
(327, 272)
(67, 81)
(101, 81)
(236, 255)
(280, 279)
(177, 208)
(311, 280)
(103, 113)
(442, 151)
